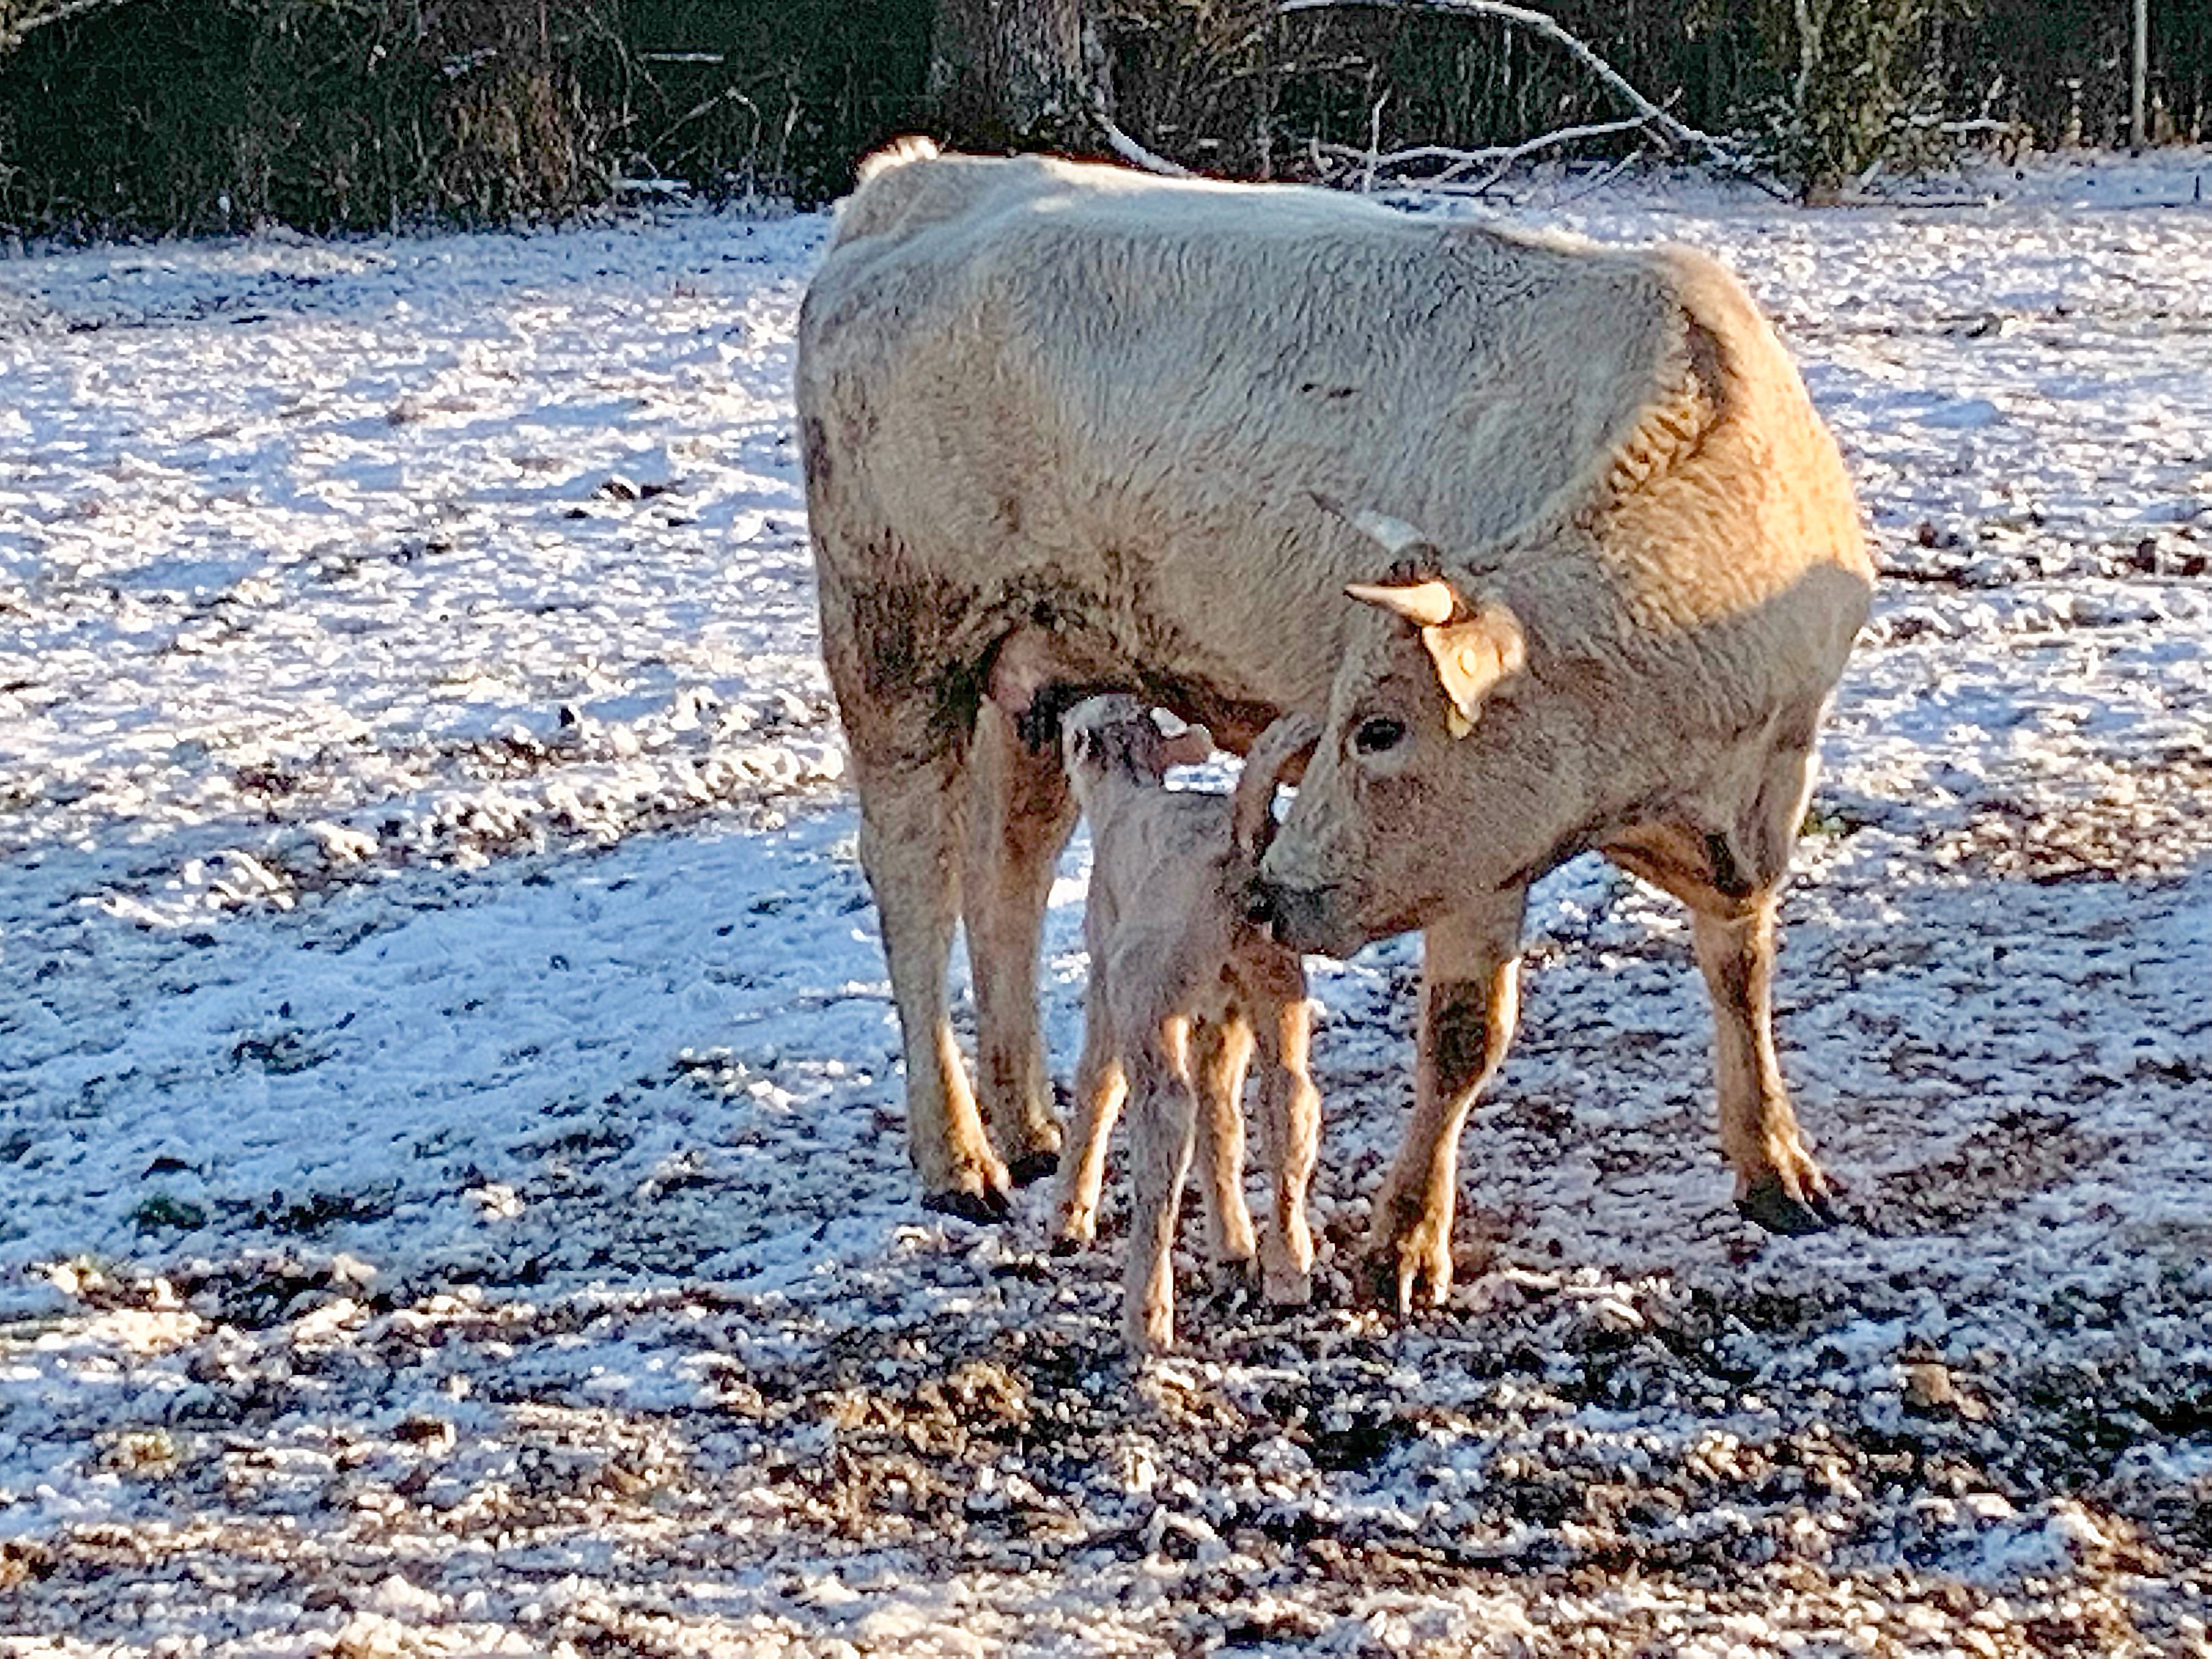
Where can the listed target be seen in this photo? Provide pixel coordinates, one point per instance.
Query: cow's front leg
(1469, 999)
(1731, 880)
(1020, 814)
(1777, 1185)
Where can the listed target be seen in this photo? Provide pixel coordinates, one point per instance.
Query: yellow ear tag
(1471, 655)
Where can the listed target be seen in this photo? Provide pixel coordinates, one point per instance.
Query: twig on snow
(1603, 178)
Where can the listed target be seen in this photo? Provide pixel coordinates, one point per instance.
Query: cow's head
(1406, 774)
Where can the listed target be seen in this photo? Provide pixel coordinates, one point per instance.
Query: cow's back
(1143, 328)
(1050, 391)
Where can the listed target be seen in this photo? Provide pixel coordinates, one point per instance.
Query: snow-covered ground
(451, 1191)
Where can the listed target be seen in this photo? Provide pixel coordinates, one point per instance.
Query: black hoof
(982, 1208)
(1375, 1282)
(1771, 1208)
(1237, 1275)
(1033, 1167)
(1064, 1247)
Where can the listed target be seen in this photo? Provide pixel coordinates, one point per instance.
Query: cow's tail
(896, 153)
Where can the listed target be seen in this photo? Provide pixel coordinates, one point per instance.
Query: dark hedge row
(210, 115)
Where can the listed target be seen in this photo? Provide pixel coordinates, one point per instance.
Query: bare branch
(1668, 128)
(11, 35)
(1458, 163)
(1601, 180)
(1130, 150)
(1373, 143)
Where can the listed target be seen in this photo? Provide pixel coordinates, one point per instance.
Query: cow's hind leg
(912, 808)
(1021, 811)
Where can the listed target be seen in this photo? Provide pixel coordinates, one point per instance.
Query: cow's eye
(1379, 734)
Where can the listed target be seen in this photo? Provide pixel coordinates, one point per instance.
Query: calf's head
(1115, 738)
(1398, 814)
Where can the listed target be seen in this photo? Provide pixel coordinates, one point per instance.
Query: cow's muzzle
(1297, 917)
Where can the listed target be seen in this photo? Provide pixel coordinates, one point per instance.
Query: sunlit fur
(1097, 407)
(1183, 986)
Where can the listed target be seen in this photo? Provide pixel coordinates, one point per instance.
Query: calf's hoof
(1032, 1167)
(1773, 1206)
(1286, 1270)
(1148, 1335)
(1235, 1278)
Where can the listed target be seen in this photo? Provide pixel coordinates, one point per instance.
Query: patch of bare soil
(1562, 1464)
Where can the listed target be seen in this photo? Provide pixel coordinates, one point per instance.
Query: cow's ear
(1192, 746)
(1472, 654)
(1474, 643)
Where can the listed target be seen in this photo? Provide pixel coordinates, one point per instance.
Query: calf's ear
(1192, 746)
(1473, 643)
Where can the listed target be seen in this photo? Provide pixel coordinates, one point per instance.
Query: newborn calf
(1181, 985)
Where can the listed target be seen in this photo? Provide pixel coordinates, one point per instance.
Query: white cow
(1107, 413)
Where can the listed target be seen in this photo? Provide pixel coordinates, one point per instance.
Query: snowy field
(452, 1193)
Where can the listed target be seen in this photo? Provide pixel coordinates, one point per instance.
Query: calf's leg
(1099, 1085)
(1220, 1051)
(1163, 1112)
(1290, 1131)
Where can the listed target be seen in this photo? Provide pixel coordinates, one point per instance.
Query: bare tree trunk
(1008, 71)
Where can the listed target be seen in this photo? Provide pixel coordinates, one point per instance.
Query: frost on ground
(452, 1193)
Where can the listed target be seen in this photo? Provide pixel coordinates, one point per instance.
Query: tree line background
(218, 115)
